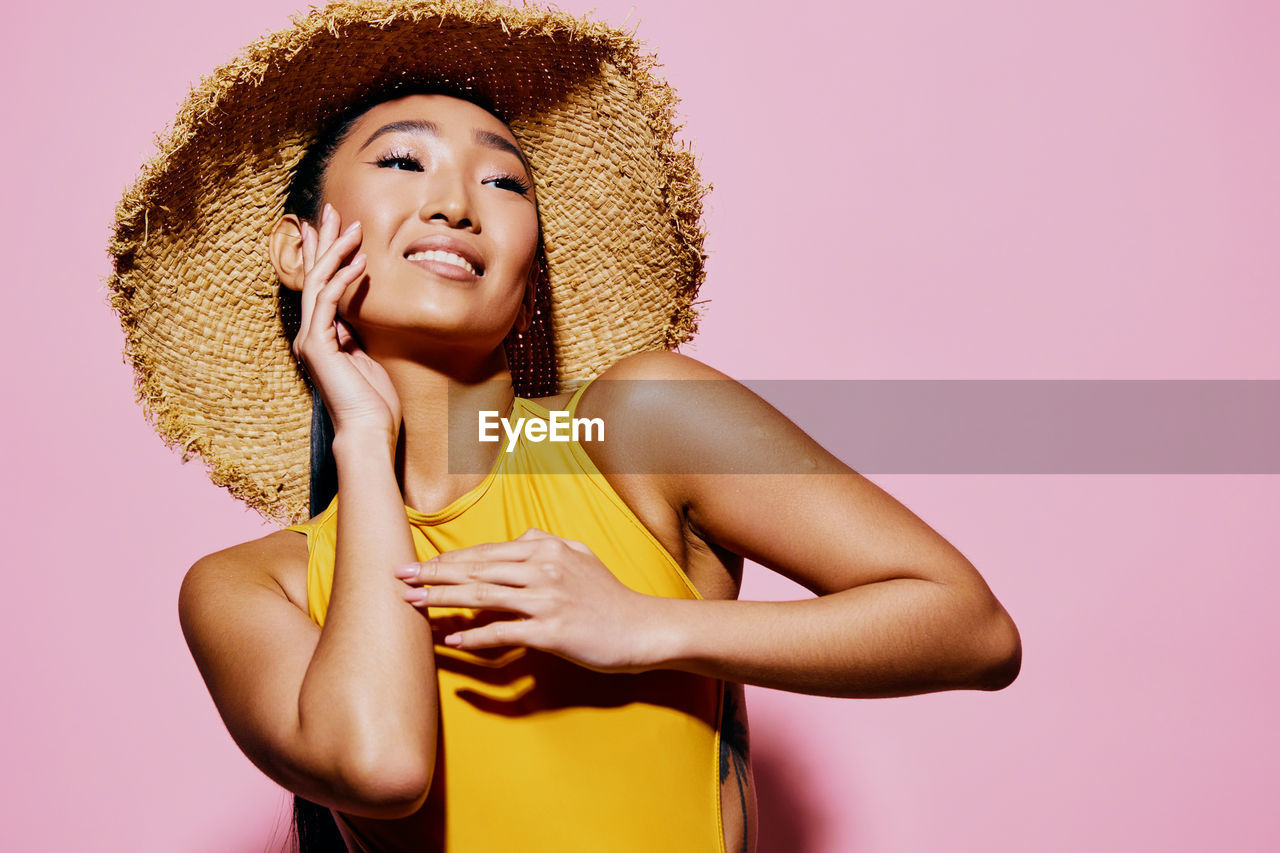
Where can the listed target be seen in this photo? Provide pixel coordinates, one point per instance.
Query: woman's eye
(400, 162)
(510, 182)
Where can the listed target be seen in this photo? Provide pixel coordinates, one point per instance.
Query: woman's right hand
(356, 391)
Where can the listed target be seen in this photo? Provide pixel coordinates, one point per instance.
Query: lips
(445, 253)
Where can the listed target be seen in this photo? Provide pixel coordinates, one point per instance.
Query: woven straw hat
(207, 324)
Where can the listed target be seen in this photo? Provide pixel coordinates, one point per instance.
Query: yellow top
(538, 754)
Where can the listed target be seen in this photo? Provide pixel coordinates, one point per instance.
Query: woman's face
(449, 220)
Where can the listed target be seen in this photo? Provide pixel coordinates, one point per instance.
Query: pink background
(902, 190)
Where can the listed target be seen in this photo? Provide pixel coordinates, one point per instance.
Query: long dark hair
(314, 829)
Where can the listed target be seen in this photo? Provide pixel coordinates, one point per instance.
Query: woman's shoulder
(656, 408)
(651, 401)
(638, 381)
(670, 414)
(660, 364)
(653, 382)
(277, 561)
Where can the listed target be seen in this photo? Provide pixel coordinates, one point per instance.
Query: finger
(330, 257)
(330, 225)
(318, 273)
(325, 311)
(308, 246)
(346, 339)
(479, 596)
(507, 632)
(309, 284)
(507, 573)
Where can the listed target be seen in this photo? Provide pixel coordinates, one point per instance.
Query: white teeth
(446, 257)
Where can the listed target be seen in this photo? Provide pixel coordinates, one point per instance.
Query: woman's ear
(286, 251)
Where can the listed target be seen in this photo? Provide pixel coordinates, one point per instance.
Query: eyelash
(393, 157)
(508, 181)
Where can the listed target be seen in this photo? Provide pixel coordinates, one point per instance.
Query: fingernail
(352, 228)
(324, 216)
(358, 259)
(415, 595)
(406, 571)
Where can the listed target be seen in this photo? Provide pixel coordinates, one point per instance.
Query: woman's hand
(356, 391)
(566, 601)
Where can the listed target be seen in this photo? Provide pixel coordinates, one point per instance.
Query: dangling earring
(531, 304)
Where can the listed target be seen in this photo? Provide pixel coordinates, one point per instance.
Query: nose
(448, 201)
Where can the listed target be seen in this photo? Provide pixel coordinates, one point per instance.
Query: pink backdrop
(902, 190)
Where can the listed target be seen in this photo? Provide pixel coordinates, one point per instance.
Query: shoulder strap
(573, 401)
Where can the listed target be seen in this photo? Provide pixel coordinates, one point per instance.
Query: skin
(347, 716)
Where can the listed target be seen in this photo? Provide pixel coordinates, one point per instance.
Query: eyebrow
(485, 138)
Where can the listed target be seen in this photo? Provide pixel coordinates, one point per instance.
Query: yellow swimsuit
(538, 754)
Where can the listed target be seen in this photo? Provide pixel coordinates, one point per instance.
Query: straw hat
(207, 324)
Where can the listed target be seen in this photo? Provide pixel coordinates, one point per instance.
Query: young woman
(533, 644)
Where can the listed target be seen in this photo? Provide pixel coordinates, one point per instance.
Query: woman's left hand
(564, 601)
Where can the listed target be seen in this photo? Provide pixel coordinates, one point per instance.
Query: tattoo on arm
(734, 748)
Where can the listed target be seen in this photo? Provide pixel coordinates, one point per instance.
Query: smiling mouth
(441, 256)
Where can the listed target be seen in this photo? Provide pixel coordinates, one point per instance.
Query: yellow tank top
(538, 754)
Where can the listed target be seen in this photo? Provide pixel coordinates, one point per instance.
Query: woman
(520, 659)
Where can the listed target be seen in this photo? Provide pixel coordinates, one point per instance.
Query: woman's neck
(438, 456)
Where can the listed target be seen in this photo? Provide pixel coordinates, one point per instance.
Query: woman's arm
(371, 689)
(890, 638)
(900, 611)
(343, 716)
